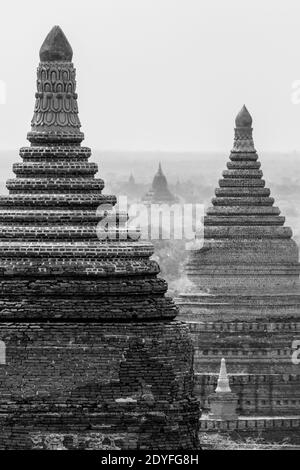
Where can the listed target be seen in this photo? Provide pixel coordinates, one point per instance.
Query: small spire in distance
(56, 47)
(243, 118)
(159, 168)
(223, 381)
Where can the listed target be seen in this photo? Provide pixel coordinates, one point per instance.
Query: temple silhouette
(159, 193)
(95, 358)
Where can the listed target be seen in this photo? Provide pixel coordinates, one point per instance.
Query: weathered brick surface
(76, 377)
(94, 355)
(244, 299)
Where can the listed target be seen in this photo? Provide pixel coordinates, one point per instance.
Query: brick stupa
(94, 355)
(244, 300)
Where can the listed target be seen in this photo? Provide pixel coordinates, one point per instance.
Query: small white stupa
(223, 380)
(223, 402)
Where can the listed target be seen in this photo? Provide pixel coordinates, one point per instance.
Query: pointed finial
(223, 381)
(56, 47)
(243, 118)
(159, 168)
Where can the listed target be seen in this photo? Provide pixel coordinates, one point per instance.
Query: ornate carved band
(243, 141)
(55, 116)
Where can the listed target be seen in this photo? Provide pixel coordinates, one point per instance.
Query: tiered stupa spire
(244, 299)
(84, 317)
(246, 245)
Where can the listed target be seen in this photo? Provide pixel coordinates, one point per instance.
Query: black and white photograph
(149, 229)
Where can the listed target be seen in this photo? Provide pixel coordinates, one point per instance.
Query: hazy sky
(161, 74)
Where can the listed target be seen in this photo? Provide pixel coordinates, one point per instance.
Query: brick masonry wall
(67, 378)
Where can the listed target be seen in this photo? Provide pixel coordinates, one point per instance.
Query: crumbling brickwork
(95, 357)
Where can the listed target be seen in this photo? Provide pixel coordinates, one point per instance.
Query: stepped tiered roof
(85, 320)
(244, 300)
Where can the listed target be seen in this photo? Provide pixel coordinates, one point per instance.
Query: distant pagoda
(131, 180)
(159, 193)
(94, 355)
(244, 300)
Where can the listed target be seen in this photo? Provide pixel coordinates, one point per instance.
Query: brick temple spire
(244, 296)
(84, 314)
